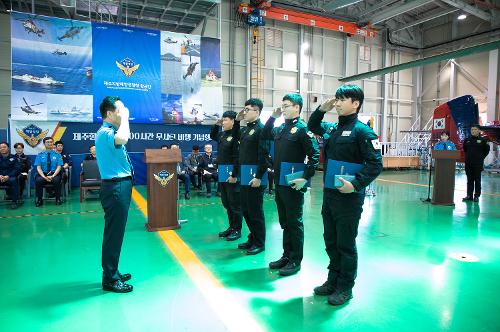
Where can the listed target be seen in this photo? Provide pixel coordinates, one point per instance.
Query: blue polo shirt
(112, 159)
(448, 145)
(55, 160)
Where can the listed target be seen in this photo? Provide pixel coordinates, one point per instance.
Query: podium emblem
(163, 177)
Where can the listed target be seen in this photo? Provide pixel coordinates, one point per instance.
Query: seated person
(445, 143)
(208, 167)
(66, 161)
(48, 166)
(10, 168)
(25, 167)
(182, 173)
(192, 162)
(91, 156)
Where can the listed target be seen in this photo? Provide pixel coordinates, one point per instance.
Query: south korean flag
(439, 123)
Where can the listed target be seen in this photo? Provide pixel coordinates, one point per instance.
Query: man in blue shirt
(48, 165)
(116, 189)
(444, 143)
(10, 168)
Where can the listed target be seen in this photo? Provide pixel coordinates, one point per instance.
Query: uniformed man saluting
(253, 161)
(353, 142)
(292, 143)
(227, 156)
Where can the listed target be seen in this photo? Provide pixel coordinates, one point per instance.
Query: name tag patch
(346, 133)
(376, 144)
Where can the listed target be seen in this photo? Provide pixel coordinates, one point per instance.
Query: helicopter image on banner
(28, 109)
(71, 32)
(30, 26)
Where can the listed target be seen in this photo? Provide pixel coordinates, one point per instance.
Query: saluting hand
(347, 187)
(241, 115)
(276, 112)
(254, 183)
(328, 105)
(219, 123)
(298, 184)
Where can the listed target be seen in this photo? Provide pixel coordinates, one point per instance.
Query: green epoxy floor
(408, 279)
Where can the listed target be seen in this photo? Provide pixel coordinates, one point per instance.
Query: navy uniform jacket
(10, 166)
(25, 163)
(253, 149)
(207, 163)
(352, 141)
(292, 143)
(476, 149)
(227, 148)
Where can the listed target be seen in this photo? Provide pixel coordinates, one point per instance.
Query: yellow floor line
(232, 314)
(425, 185)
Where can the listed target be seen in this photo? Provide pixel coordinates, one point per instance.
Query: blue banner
(129, 67)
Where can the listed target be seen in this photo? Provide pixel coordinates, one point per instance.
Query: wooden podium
(444, 176)
(162, 189)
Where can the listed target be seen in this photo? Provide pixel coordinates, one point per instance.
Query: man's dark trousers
(290, 203)
(341, 214)
(115, 200)
(230, 196)
(40, 182)
(253, 212)
(473, 173)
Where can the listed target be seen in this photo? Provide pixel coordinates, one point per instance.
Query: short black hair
(4, 143)
(475, 125)
(58, 142)
(445, 132)
(229, 114)
(108, 104)
(351, 91)
(196, 148)
(165, 146)
(255, 102)
(18, 144)
(47, 138)
(295, 99)
(91, 145)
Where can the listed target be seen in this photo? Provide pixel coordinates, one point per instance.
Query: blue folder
(224, 172)
(291, 171)
(336, 168)
(247, 173)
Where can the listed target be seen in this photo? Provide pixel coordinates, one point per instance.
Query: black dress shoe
(58, 202)
(226, 232)
(38, 202)
(13, 205)
(209, 195)
(340, 297)
(187, 196)
(289, 269)
(279, 263)
(234, 235)
(476, 199)
(125, 277)
(466, 199)
(326, 289)
(254, 250)
(117, 287)
(245, 245)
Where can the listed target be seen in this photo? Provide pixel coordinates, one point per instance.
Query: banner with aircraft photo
(51, 68)
(62, 69)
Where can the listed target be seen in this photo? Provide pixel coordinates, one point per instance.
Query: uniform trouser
(21, 178)
(193, 175)
(40, 182)
(253, 211)
(230, 195)
(473, 173)
(13, 190)
(341, 214)
(290, 204)
(270, 177)
(185, 179)
(115, 200)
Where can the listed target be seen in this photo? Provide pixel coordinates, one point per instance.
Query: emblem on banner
(127, 66)
(439, 123)
(32, 134)
(163, 177)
